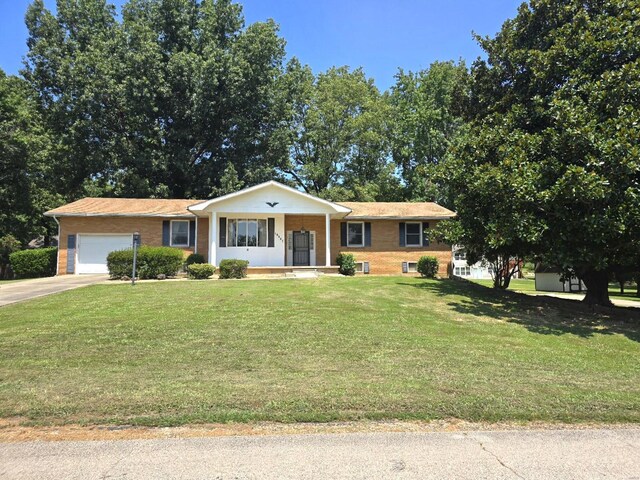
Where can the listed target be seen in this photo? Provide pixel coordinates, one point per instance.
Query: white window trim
(246, 219)
(406, 230)
(188, 234)
(351, 244)
(415, 267)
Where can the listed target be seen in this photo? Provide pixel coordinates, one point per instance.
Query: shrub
(39, 262)
(427, 266)
(194, 258)
(232, 268)
(347, 264)
(151, 262)
(200, 271)
(8, 245)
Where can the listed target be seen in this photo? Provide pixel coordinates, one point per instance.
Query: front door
(301, 254)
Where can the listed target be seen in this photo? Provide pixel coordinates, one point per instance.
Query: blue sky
(378, 35)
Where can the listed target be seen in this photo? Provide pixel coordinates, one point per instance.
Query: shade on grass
(529, 285)
(168, 353)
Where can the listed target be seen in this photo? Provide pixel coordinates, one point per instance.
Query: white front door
(93, 251)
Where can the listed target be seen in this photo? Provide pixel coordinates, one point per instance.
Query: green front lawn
(527, 285)
(336, 348)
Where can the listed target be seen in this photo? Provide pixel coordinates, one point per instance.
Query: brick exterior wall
(385, 255)
(150, 231)
(310, 223)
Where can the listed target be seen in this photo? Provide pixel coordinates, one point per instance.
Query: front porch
(288, 269)
(272, 226)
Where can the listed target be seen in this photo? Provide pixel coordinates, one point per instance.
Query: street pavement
(525, 454)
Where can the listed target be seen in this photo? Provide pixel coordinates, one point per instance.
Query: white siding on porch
(257, 256)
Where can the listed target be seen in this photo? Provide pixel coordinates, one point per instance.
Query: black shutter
(166, 233)
(71, 253)
(403, 240)
(223, 232)
(367, 234)
(343, 234)
(271, 232)
(192, 233)
(405, 267)
(425, 237)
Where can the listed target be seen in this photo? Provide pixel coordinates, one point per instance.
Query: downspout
(195, 241)
(58, 251)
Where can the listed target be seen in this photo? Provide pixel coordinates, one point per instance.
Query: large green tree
(159, 102)
(339, 135)
(28, 180)
(550, 164)
(426, 118)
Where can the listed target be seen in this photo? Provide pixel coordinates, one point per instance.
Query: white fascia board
(144, 215)
(350, 217)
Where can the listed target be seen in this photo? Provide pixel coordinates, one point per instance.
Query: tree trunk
(597, 283)
(621, 288)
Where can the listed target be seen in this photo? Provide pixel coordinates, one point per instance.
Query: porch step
(302, 274)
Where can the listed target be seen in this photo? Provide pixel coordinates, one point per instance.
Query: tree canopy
(549, 164)
(159, 103)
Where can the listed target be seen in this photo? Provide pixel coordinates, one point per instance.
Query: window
(412, 267)
(243, 232)
(355, 234)
(413, 234)
(460, 255)
(180, 233)
(462, 271)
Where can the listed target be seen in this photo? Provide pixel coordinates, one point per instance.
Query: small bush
(194, 258)
(427, 267)
(347, 264)
(200, 271)
(151, 262)
(232, 268)
(8, 245)
(39, 262)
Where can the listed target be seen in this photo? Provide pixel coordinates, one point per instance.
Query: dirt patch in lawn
(11, 431)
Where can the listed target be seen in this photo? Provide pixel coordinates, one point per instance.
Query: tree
(27, 178)
(339, 127)
(160, 102)
(427, 115)
(550, 164)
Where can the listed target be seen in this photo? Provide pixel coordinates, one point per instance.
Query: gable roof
(393, 210)
(124, 207)
(338, 208)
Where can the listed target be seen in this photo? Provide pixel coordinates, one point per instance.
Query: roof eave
(144, 215)
(395, 217)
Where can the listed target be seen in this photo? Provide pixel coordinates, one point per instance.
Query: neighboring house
(460, 267)
(273, 226)
(549, 279)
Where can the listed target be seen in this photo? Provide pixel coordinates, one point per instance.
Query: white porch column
(327, 241)
(213, 237)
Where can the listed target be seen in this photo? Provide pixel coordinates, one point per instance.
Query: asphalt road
(557, 454)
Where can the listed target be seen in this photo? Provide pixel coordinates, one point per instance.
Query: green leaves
(159, 102)
(549, 166)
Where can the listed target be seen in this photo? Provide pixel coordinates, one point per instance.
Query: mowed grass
(170, 353)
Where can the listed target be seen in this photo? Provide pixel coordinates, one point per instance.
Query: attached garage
(92, 251)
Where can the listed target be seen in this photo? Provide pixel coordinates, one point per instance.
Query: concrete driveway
(553, 454)
(12, 292)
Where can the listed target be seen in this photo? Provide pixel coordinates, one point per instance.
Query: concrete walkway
(618, 302)
(12, 292)
(549, 454)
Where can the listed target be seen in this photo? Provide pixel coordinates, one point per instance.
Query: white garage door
(93, 251)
